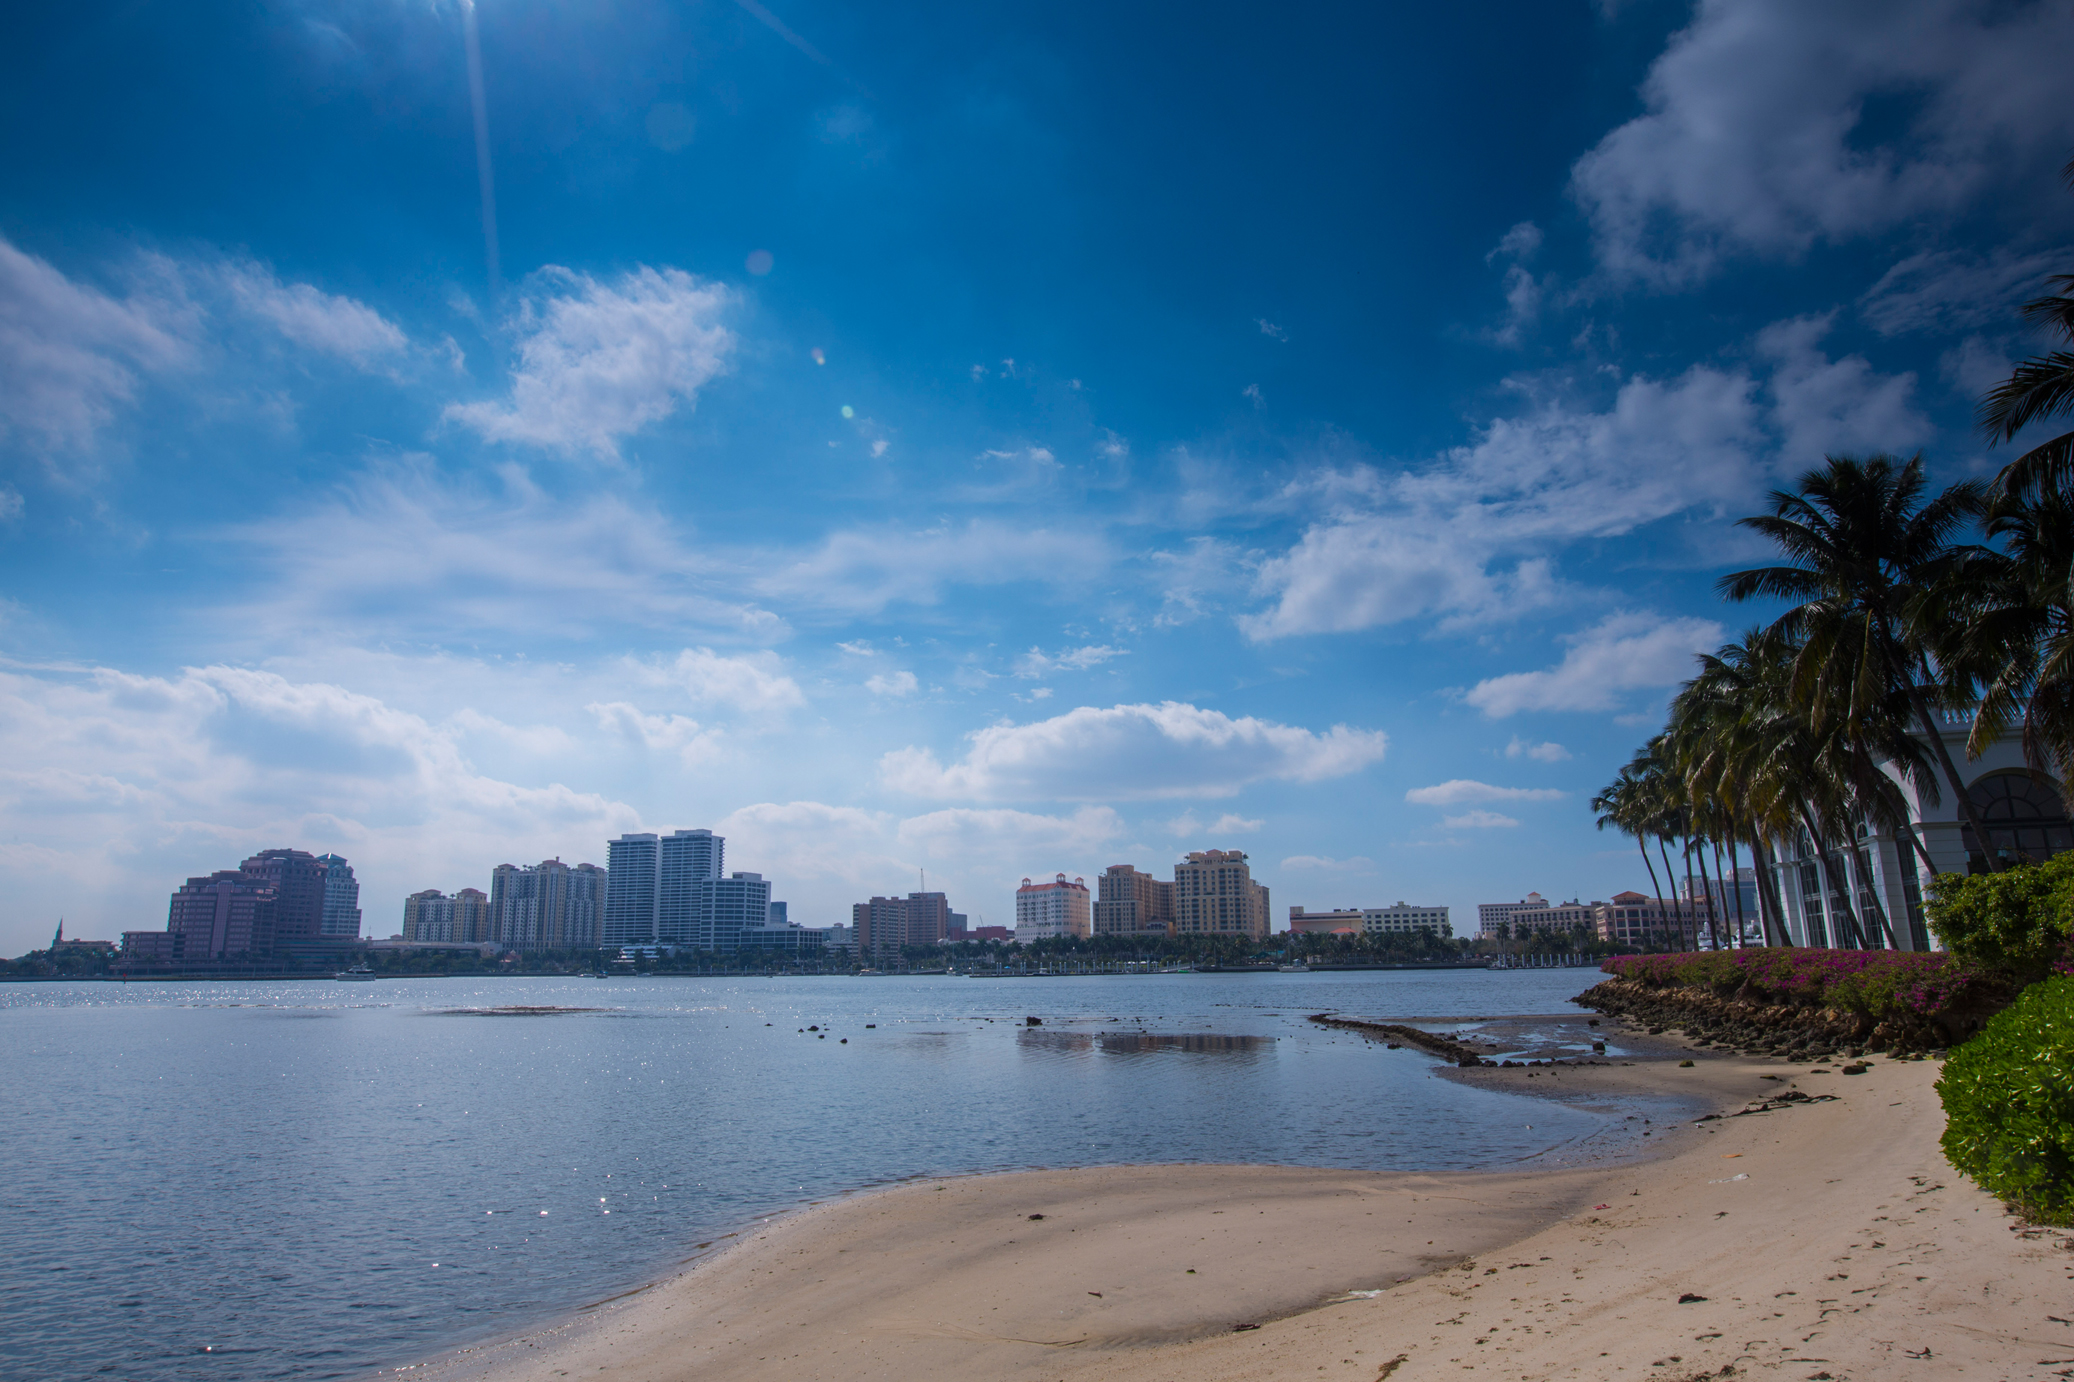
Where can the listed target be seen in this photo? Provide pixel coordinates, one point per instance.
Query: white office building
(1402, 918)
(632, 865)
(1870, 895)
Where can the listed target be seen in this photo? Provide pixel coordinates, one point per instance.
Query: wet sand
(1825, 1236)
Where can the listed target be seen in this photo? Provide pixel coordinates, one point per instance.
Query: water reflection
(1147, 1043)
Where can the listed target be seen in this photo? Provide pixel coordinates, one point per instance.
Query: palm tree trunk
(1643, 845)
(1663, 848)
(1872, 892)
(1735, 871)
(1707, 887)
(1768, 893)
(1951, 775)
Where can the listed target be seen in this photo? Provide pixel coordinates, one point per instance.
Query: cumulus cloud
(599, 361)
(1621, 653)
(892, 684)
(70, 353)
(114, 786)
(1461, 791)
(1756, 136)
(681, 735)
(1826, 407)
(314, 319)
(1132, 752)
(1037, 663)
(751, 683)
(1540, 753)
(1024, 840)
(1477, 820)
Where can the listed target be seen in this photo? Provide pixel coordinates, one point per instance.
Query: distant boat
(1298, 968)
(356, 975)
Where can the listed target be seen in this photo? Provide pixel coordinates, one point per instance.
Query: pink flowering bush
(1878, 983)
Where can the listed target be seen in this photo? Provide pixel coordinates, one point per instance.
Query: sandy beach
(1819, 1238)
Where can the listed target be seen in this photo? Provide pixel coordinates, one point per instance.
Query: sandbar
(1821, 1238)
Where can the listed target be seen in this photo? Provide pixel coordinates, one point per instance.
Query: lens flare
(819, 358)
(759, 262)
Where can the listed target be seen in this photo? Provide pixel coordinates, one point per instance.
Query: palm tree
(1625, 806)
(2012, 629)
(1868, 550)
(2040, 387)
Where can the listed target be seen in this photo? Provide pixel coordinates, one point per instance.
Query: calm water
(238, 1181)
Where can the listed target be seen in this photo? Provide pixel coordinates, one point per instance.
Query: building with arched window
(1867, 893)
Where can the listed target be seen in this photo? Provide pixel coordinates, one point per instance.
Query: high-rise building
(928, 918)
(472, 917)
(549, 906)
(1057, 908)
(879, 927)
(428, 916)
(341, 915)
(687, 861)
(730, 905)
(1214, 894)
(1130, 902)
(632, 893)
(226, 915)
(298, 883)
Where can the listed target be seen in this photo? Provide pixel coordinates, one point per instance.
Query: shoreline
(1756, 1216)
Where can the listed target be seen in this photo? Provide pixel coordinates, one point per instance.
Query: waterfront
(315, 1179)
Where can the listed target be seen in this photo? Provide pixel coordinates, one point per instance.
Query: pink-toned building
(1057, 908)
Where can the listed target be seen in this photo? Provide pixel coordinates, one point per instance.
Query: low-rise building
(1494, 919)
(1345, 921)
(1402, 918)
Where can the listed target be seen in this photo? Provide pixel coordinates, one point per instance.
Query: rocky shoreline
(1764, 1026)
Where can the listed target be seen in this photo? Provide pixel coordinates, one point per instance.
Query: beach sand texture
(1847, 1249)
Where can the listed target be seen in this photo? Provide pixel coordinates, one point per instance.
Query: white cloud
(1755, 136)
(679, 734)
(1270, 330)
(114, 787)
(1036, 663)
(1459, 540)
(1540, 753)
(400, 553)
(1019, 840)
(1132, 752)
(893, 684)
(1622, 652)
(1230, 823)
(1476, 820)
(753, 683)
(1323, 863)
(1825, 407)
(11, 503)
(71, 353)
(312, 318)
(1461, 791)
(862, 570)
(1948, 290)
(598, 361)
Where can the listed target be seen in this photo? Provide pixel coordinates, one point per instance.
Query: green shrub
(2016, 920)
(2009, 1103)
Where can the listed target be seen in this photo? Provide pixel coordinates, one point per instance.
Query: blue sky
(993, 441)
